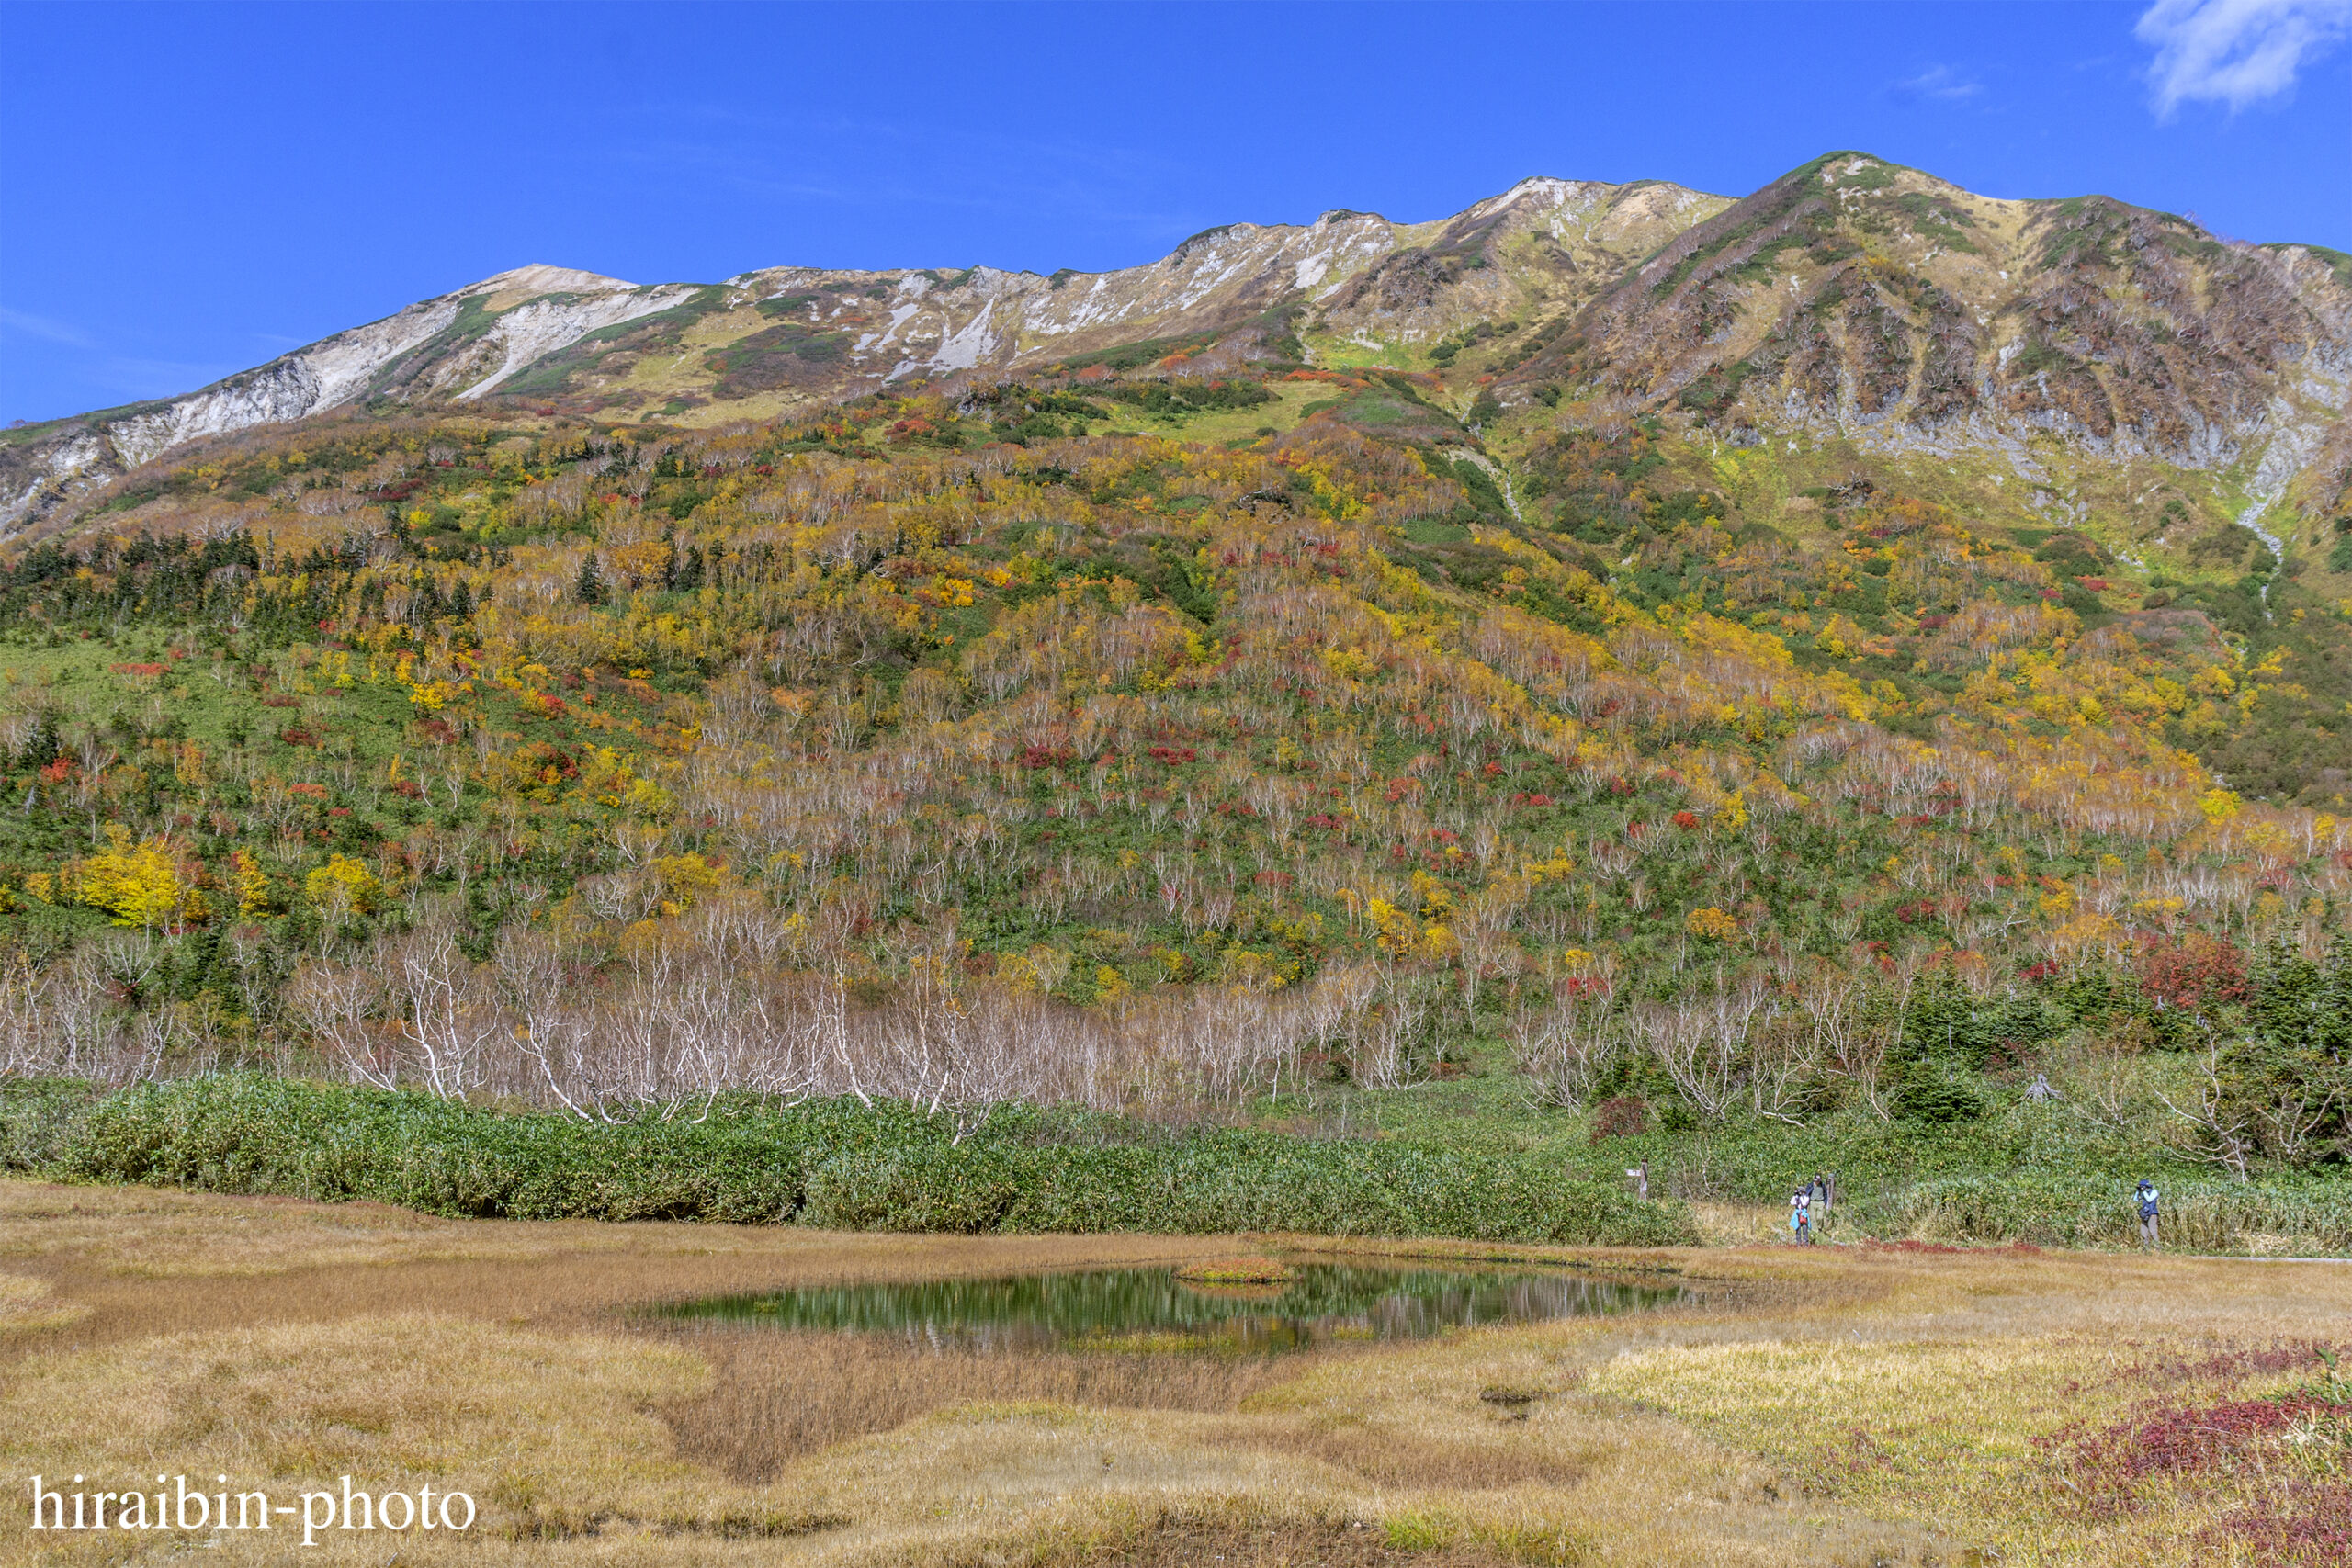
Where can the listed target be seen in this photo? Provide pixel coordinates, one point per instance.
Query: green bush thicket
(836, 1164)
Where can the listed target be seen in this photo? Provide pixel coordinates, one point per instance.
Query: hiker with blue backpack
(2148, 1213)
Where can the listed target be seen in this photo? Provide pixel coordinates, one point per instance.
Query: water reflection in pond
(1150, 1309)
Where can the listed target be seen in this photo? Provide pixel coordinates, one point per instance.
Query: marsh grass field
(1862, 1404)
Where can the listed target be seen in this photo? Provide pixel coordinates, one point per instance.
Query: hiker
(1801, 1216)
(2148, 1237)
(1641, 1179)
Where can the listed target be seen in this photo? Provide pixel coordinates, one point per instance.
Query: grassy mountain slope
(1509, 749)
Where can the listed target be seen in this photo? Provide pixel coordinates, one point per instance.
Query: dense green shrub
(1934, 1092)
(2067, 1210)
(834, 1163)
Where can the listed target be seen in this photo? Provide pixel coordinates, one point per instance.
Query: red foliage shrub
(2192, 972)
(1686, 820)
(1625, 1116)
(1174, 756)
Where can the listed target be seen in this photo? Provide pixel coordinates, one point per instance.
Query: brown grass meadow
(1827, 1405)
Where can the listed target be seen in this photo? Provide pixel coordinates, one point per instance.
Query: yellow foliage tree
(1436, 899)
(253, 884)
(341, 886)
(685, 879)
(1399, 933)
(1711, 922)
(139, 885)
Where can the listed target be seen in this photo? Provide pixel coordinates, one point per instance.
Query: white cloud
(2235, 52)
(1941, 83)
(42, 327)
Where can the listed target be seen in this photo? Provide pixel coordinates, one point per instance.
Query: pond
(1152, 1310)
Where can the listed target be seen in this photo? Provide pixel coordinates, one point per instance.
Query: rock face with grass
(458, 346)
(1860, 295)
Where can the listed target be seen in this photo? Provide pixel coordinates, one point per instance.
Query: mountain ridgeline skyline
(1851, 293)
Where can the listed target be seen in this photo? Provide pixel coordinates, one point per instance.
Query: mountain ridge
(2124, 333)
(45, 463)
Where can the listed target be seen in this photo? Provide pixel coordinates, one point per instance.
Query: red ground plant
(2286, 1449)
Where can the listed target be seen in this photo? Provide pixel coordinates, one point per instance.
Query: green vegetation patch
(835, 1164)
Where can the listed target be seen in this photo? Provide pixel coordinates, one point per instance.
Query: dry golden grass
(1236, 1272)
(777, 1396)
(1732, 1224)
(161, 1232)
(1818, 1406)
(29, 1303)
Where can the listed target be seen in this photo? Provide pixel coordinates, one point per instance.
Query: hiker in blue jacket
(2148, 1213)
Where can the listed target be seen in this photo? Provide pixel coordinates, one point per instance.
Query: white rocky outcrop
(545, 308)
(525, 335)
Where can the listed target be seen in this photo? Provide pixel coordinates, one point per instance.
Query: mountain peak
(511, 288)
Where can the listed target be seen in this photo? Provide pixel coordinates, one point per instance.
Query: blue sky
(189, 189)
